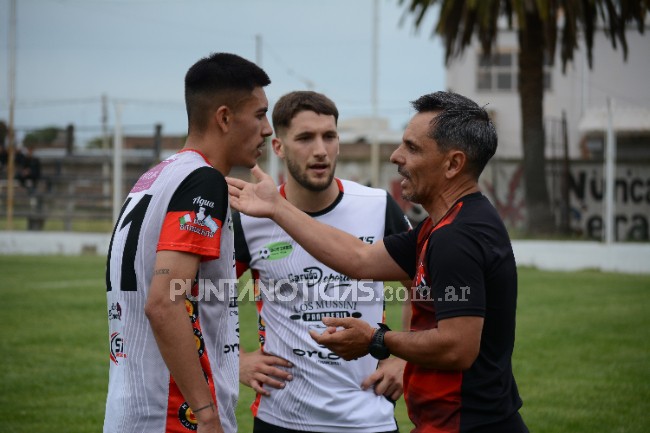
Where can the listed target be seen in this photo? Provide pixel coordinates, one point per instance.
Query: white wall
(546, 255)
(63, 243)
(573, 256)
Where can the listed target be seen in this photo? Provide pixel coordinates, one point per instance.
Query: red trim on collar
(194, 150)
(338, 183)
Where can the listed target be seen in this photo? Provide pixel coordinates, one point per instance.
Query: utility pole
(272, 160)
(374, 141)
(117, 163)
(11, 136)
(565, 209)
(106, 169)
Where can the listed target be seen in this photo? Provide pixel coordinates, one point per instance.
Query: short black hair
(460, 124)
(219, 79)
(301, 100)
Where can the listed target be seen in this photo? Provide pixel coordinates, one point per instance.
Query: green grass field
(76, 225)
(582, 358)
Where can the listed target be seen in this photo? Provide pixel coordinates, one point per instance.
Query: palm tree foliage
(542, 26)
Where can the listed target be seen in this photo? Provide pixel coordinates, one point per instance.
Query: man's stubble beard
(303, 180)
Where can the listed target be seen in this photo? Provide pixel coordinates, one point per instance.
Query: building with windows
(581, 93)
(582, 96)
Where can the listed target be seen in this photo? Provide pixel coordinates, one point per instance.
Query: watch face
(379, 351)
(377, 348)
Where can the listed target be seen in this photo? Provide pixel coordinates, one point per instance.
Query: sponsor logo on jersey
(117, 348)
(199, 223)
(186, 417)
(317, 316)
(231, 348)
(320, 356)
(321, 305)
(198, 201)
(115, 312)
(367, 239)
(313, 276)
(275, 251)
(147, 179)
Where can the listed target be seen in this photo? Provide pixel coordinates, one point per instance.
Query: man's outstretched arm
(335, 248)
(453, 345)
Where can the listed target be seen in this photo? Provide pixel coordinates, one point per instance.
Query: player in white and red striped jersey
(170, 275)
(325, 393)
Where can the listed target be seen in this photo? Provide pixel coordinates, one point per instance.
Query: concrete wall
(546, 255)
(502, 182)
(572, 256)
(61, 243)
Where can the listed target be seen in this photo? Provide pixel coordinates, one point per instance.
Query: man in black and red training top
(458, 376)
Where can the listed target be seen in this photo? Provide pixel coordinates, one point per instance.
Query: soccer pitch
(582, 355)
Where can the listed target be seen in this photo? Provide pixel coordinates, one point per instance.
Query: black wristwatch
(377, 346)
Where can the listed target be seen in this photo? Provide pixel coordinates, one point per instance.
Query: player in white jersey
(316, 390)
(172, 310)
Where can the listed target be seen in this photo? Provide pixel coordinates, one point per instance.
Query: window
(498, 73)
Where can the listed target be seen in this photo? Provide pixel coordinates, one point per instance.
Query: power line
(37, 103)
(289, 70)
(54, 102)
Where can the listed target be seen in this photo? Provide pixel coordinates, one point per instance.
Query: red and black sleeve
(195, 215)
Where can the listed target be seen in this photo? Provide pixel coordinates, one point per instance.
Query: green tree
(542, 27)
(41, 137)
(98, 143)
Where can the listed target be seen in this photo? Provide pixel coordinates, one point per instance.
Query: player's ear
(278, 147)
(456, 161)
(223, 118)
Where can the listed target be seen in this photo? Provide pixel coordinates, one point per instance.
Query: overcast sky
(70, 52)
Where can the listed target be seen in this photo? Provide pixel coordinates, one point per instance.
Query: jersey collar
(328, 208)
(338, 183)
(196, 151)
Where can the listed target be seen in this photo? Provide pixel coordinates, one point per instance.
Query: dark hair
(462, 125)
(294, 102)
(219, 79)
